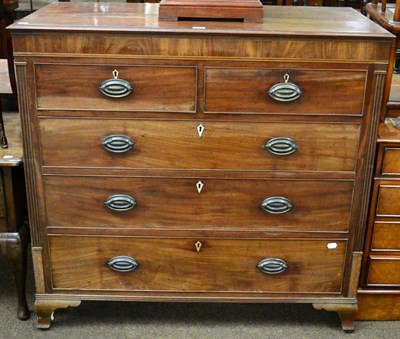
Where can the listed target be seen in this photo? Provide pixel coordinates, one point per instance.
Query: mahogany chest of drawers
(198, 160)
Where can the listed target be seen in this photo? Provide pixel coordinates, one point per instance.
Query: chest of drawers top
(285, 33)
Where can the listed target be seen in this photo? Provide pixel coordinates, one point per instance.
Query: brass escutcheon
(198, 246)
(286, 78)
(199, 186)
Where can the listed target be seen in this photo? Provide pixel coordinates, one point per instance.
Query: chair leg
(20, 268)
(14, 246)
(397, 66)
(3, 138)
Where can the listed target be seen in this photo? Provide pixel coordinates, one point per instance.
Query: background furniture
(388, 16)
(28, 6)
(392, 108)
(7, 85)
(198, 161)
(379, 293)
(14, 234)
(5, 89)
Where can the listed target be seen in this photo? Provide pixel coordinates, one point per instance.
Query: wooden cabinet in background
(198, 160)
(14, 231)
(379, 292)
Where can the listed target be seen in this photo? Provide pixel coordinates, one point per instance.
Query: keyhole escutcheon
(198, 245)
(200, 130)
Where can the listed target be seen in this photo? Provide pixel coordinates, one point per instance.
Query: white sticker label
(332, 245)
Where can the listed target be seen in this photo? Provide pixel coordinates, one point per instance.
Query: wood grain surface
(174, 265)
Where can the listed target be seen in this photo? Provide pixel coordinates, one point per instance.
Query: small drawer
(196, 265)
(198, 144)
(386, 236)
(391, 161)
(388, 198)
(199, 204)
(311, 91)
(153, 88)
(384, 270)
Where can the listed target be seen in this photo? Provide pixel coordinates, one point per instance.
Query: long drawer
(274, 205)
(319, 91)
(203, 265)
(179, 144)
(153, 88)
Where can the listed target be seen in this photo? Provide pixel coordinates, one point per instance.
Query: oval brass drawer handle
(276, 205)
(123, 264)
(281, 146)
(272, 266)
(116, 88)
(120, 202)
(117, 143)
(285, 91)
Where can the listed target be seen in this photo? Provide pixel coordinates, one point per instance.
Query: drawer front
(391, 161)
(388, 195)
(222, 204)
(222, 145)
(213, 265)
(246, 90)
(386, 236)
(154, 88)
(384, 271)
